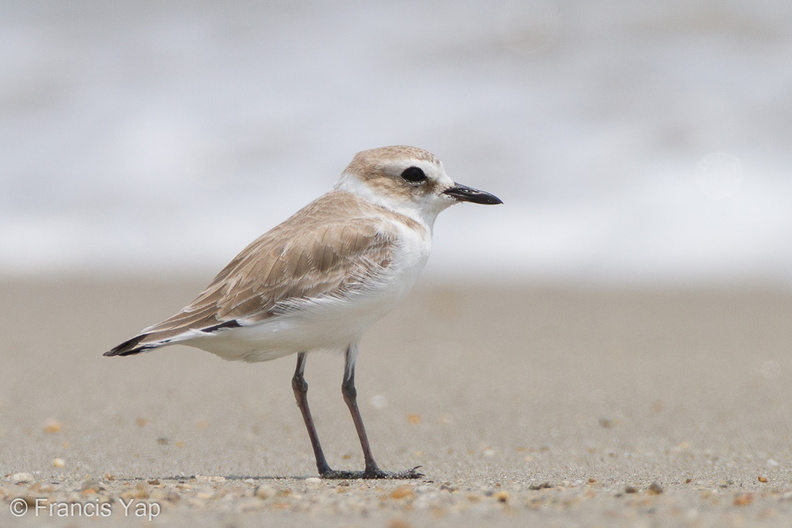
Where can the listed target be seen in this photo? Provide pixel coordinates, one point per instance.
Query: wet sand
(539, 405)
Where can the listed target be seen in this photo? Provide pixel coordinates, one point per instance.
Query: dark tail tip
(130, 347)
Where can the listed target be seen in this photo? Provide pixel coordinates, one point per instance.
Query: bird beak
(463, 193)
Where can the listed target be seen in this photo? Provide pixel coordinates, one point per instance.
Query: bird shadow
(185, 478)
(225, 478)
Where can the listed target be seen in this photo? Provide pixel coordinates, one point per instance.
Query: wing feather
(318, 252)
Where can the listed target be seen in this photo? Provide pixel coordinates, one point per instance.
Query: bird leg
(372, 471)
(300, 387)
(350, 397)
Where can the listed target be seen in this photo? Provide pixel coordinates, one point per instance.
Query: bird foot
(375, 473)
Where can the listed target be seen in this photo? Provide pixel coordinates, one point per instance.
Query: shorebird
(322, 277)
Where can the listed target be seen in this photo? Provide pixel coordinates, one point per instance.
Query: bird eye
(413, 175)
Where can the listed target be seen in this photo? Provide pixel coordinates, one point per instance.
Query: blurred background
(632, 143)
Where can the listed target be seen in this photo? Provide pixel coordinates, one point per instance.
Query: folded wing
(310, 256)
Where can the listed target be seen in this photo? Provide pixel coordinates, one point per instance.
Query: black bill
(464, 193)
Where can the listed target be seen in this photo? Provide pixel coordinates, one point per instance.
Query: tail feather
(154, 338)
(132, 346)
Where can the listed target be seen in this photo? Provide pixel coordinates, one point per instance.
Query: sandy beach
(531, 406)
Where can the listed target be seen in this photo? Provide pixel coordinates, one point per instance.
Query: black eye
(413, 175)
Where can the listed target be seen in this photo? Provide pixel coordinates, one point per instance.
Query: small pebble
(140, 492)
(378, 401)
(52, 426)
(21, 478)
(655, 489)
(208, 478)
(761, 478)
(743, 499)
(402, 492)
(501, 496)
(313, 481)
(58, 463)
(265, 492)
(630, 489)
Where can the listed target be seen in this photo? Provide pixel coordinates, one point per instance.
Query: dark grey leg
(300, 387)
(350, 397)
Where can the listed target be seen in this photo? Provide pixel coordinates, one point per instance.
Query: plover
(322, 277)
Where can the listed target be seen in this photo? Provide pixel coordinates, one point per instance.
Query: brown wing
(316, 253)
